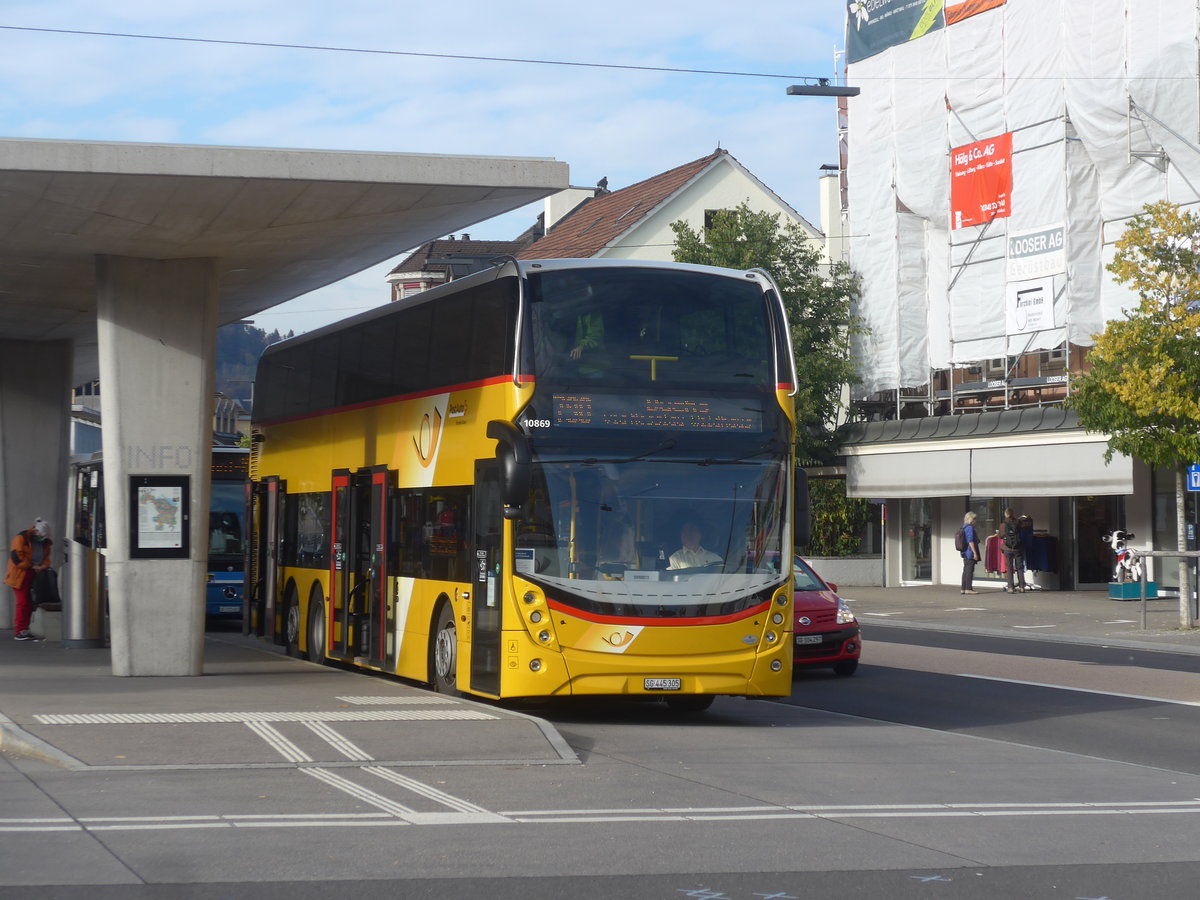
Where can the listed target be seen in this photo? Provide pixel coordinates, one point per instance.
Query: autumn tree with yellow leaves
(1143, 385)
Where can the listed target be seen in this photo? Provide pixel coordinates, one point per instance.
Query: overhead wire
(415, 53)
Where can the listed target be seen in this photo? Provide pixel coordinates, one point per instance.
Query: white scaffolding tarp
(1101, 101)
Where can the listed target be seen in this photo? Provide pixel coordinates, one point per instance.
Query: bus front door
(361, 617)
(488, 577)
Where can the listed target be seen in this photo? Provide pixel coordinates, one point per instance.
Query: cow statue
(1128, 566)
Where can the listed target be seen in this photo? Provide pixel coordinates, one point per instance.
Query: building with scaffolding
(995, 154)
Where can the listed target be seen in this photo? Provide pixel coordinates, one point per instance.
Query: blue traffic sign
(1193, 479)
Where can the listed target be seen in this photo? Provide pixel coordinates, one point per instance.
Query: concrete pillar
(157, 332)
(35, 407)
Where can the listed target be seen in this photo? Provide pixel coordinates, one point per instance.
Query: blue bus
(226, 515)
(227, 511)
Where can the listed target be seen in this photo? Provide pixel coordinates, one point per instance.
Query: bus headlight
(776, 665)
(777, 618)
(535, 665)
(535, 616)
(772, 637)
(529, 597)
(781, 600)
(544, 636)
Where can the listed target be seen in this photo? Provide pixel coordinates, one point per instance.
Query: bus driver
(691, 555)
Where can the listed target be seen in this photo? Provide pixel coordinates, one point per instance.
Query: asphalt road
(1134, 706)
(949, 767)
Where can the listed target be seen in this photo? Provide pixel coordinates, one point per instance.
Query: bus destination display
(588, 410)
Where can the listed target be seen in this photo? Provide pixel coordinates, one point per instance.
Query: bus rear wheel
(291, 625)
(443, 652)
(316, 628)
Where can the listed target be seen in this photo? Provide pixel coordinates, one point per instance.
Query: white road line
(289, 751)
(400, 701)
(343, 745)
(339, 715)
(359, 792)
(426, 790)
(1078, 690)
(397, 814)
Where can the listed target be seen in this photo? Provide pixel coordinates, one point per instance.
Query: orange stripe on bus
(668, 621)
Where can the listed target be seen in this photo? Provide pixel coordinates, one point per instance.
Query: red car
(827, 633)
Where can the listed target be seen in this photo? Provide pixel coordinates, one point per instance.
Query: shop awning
(988, 455)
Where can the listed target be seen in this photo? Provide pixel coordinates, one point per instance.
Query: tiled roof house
(631, 223)
(634, 222)
(437, 261)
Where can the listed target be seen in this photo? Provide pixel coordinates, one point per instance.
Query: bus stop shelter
(120, 261)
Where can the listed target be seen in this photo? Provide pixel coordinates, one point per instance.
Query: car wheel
(443, 652)
(845, 667)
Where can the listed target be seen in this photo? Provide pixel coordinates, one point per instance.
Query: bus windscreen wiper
(771, 444)
(668, 444)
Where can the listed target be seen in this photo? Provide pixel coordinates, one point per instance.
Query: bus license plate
(663, 684)
(808, 639)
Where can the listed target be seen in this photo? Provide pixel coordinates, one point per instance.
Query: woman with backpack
(970, 552)
(1014, 552)
(21, 570)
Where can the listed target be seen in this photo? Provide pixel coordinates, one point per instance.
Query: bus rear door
(264, 508)
(362, 619)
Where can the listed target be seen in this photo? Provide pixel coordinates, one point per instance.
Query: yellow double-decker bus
(549, 478)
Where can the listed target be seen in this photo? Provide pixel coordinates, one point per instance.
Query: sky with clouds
(604, 121)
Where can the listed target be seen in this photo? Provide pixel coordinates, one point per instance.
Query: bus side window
(409, 538)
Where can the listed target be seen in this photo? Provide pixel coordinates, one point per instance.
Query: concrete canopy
(279, 223)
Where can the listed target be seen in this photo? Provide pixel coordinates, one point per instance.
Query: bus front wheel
(443, 652)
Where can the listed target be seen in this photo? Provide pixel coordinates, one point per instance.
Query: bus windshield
(225, 520)
(632, 326)
(653, 537)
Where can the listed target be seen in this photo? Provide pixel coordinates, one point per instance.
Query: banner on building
(1029, 306)
(964, 9)
(980, 181)
(873, 26)
(1037, 252)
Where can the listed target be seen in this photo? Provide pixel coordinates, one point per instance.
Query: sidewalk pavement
(1080, 617)
(254, 706)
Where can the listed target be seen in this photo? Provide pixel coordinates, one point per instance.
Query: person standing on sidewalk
(1014, 553)
(971, 555)
(21, 570)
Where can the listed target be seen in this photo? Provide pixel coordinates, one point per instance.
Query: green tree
(818, 298)
(838, 521)
(1144, 369)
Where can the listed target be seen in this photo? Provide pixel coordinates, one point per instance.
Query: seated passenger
(691, 555)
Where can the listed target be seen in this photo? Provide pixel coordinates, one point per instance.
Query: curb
(1097, 641)
(16, 741)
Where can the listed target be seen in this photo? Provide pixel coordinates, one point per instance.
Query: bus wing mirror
(801, 509)
(516, 470)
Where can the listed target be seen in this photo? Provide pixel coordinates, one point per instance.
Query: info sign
(980, 181)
